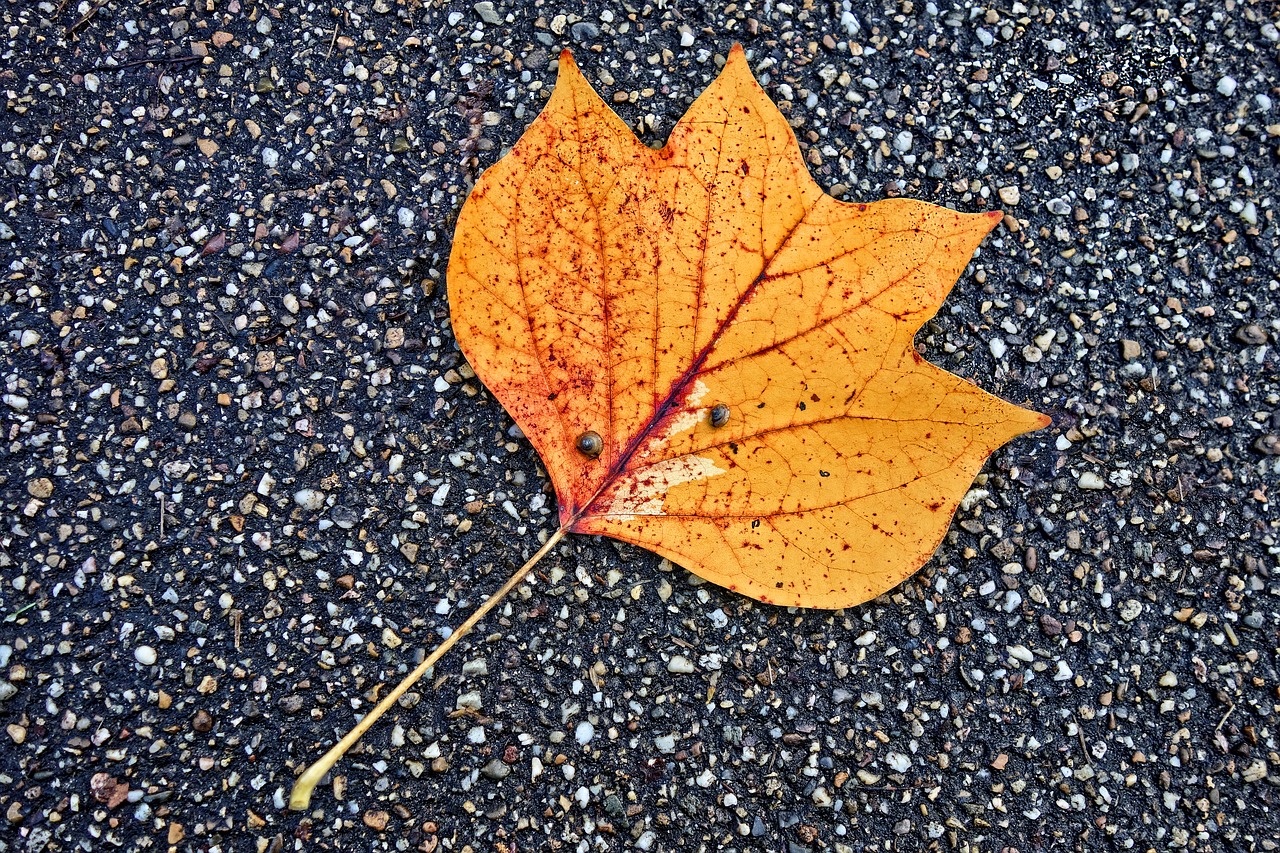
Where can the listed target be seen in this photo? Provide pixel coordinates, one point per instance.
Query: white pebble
(309, 499)
(1090, 480)
(1020, 652)
(30, 338)
(270, 158)
(998, 347)
(584, 733)
(1227, 86)
(899, 762)
(145, 655)
(680, 664)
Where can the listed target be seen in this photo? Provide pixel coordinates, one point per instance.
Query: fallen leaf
(714, 358)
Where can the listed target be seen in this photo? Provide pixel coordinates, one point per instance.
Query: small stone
(17, 733)
(998, 347)
(1091, 481)
(1227, 85)
(496, 769)
(488, 13)
(1255, 772)
(270, 158)
(1267, 444)
(29, 338)
(344, 516)
(202, 722)
(584, 31)
(145, 655)
(680, 664)
(1251, 334)
(1169, 680)
(41, 487)
(187, 420)
(309, 499)
(584, 733)
(1010, 195)
(1130, 350)
(376, 820)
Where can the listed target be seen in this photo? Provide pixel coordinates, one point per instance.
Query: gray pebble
(584, 31)
(496, 769)
(488, 13)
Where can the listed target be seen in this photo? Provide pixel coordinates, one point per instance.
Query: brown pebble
(202, 722)
(1130, 350)
(1049, 625)
(376, 820)
(41, 487)
(186, 420)
(1251, 334)
(1267, 444)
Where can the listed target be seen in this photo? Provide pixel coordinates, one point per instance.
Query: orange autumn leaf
(714, 358)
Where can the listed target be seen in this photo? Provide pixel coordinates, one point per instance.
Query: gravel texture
(246, 476)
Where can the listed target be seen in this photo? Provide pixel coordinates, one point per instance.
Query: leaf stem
(300, 797)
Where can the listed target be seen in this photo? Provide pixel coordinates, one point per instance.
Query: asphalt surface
(247, 478)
